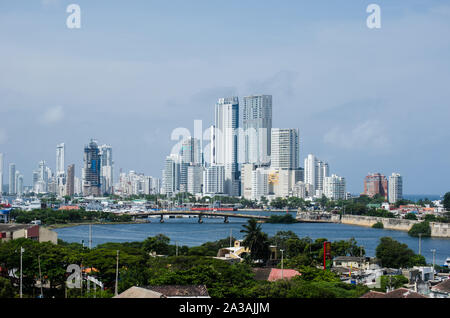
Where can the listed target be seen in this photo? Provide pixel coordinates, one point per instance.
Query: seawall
(437, 229)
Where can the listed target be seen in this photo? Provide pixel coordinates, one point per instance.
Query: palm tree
(256, 240)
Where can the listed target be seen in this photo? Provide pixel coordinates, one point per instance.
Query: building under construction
(91, 170)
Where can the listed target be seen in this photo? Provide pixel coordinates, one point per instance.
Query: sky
(364, 100)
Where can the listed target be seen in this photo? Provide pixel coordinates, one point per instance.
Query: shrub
(378, 225)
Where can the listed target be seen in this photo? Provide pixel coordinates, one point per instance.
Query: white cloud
(52, 115)
(366, 135)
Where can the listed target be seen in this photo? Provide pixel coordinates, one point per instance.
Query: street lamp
(281, 263)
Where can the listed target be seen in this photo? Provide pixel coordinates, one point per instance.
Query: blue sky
(364, 100)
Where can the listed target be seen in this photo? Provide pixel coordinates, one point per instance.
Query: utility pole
(420, 243)
(21, 252)
(231, 234)
(176, 248)
(117, 274)
(281, 263)
(40, 275)
(90, 236)
(434, 259)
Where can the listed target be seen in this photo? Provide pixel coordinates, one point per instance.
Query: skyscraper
(214, 180)
(12, 179)
(171, 175)
(70, 184)
(1, 173)
(376, 183)
(91, 170)
(60, 153)
(285, 148)
(257, 126)
(107, 171)
(334, 187)
(315, 172)
(191, 152)
(226, 141)
(395, 188)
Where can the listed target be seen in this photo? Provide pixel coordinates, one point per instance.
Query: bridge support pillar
(162, 219)
(226, 220)
(200, 219)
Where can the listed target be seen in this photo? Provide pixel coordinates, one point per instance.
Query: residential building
(376, 183)
(214, 180)
(70, 184)
(246, 180)
(334, 187)
(12, 178)
(257, 126)
(106, 170)
(195, 179)
(92, 170)
(315, 172)
(285, 148)
(395, 188)
(225, 148)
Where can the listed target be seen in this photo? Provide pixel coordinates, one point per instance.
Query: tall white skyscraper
(12, 179)
(194, 179)
(334, 187)
(285, 148)
(60, 154)
(226, 141)
(106, 168)
(171, 175)
(257, 127)
(1, 173)
(315, 172)
(395, 187)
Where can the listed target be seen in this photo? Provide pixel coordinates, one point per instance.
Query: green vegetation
(286, 219)
(446, 201)
(410, 216)
(394, 254)
(49, 216)
(378, 225)
(392, 281)
(256, 241)
(420, 228)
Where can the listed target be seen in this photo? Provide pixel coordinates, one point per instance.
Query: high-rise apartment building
(171, 175)
(107, 177)
(91, 170)
(194, 179)
(334, 187)
(285, 148)
(395, 188)
(191, 152)
(257, 127)
(376, 183)
(315, 172)
(214, 180)
(60, 154)
(70, 183)
(226, 141)
(12, 179)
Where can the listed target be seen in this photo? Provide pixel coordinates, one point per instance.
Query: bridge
(200, 214)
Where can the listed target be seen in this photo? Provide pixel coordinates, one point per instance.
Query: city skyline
(354, 93)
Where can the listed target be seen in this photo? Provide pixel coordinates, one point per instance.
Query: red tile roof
(398, 293)
(275, 274)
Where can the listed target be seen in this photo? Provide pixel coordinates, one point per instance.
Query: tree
(256, 240)
(446, 201)
(394, 254)
(6, 288)
(422, 228)
(410, 216)
(158, 244)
